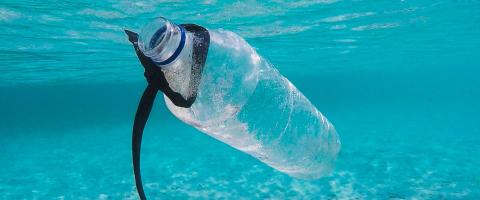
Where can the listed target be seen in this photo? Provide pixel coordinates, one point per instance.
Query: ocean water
(398, 79)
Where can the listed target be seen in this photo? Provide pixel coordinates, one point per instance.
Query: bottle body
(242, 100)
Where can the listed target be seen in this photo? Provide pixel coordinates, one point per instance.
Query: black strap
(141, 117)
(156, 82)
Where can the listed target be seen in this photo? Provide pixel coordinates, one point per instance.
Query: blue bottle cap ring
(176, 52)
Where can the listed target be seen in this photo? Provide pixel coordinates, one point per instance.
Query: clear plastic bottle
(242, 100)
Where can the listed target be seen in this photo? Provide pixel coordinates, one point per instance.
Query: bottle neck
(162, 41)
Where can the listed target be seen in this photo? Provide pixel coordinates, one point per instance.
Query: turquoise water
(398, 79)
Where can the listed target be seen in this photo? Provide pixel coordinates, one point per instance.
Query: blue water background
(398, 79)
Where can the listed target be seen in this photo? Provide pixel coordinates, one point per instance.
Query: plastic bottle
(242, 100)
